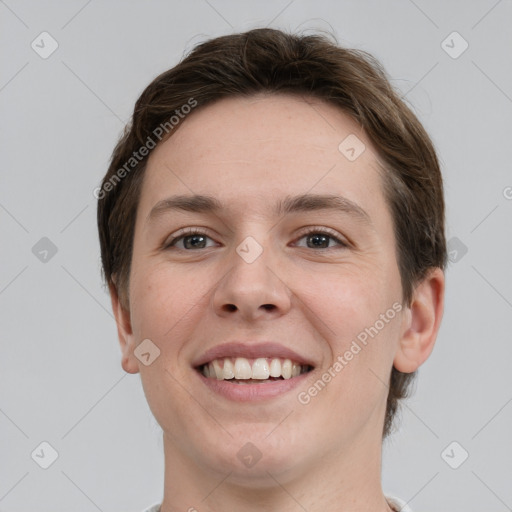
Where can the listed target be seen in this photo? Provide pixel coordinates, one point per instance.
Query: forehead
(270, 125)
(262, 147)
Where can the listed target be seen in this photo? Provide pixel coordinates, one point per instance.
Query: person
(272, 236)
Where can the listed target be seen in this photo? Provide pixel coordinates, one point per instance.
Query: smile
(242, 370)
(244, 380)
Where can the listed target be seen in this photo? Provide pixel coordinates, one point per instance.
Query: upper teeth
(261, 368)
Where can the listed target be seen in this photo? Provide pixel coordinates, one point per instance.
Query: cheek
(354, 313)
(346, 300)
(163, 304)
(161, 299)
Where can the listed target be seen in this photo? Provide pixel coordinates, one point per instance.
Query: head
(257, 124)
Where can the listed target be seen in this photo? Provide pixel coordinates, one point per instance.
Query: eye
(316, 238)
(191, 239)
(321, 238)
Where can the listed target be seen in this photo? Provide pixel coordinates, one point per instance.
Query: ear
(124, 332)
(421, 323)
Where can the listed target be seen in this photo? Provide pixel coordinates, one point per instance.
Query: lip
(252, 350)
(252, 392)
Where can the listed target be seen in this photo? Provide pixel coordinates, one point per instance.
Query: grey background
(60, 374)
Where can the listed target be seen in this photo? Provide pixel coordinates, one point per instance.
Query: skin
(249, 153)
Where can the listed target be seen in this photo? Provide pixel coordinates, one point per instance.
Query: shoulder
(397, 504)
(153, 508)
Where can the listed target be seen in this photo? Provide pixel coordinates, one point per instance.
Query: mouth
(251, 371)
(242, 370)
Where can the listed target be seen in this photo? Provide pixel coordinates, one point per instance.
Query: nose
(251, 291)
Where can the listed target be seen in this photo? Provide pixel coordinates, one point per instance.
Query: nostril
(268, 306)
(230, 307)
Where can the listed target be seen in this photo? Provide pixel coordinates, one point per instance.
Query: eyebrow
(198, 203)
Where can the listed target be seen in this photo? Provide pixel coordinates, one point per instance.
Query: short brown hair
(271, 61)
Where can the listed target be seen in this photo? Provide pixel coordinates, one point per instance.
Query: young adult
(272, 235)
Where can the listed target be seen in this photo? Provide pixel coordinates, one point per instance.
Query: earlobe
(421, 322)
(124, 332)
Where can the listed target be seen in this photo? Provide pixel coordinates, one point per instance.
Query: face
(296, 262)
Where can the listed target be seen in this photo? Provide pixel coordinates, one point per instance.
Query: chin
(253, 464)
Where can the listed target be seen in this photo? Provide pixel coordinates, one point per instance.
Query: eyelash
(310, 231)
